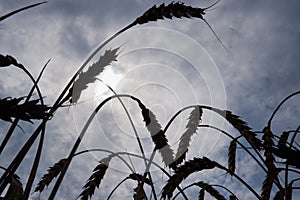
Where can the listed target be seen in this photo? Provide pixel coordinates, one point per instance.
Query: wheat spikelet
(232, 156)
(52, 173)
(157, 135)
(267, 187)
(89, 76)
(232, 197)
(242, 127)
(95, 179)
(139, 178)
(15, 190)
(283, 139)
(279, 195)
(139, 193)
(182, 172)
(268, 146)
(191, 128)
(272, 170)
(201, 194)
(176, 10)
(212, 191)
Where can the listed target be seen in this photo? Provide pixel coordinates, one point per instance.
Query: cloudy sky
(168, 64)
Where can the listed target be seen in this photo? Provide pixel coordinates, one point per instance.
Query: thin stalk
(108, 151)
(39, 150)
(286, 180)
(195, 184)
(19, 10)
(116, 187)
(241, 180)
(280, 104)
(78, 141)
(4, 180)
(138, 139)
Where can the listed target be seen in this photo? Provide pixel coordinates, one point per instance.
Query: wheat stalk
(232, 156)
(191, 128)
(212, 191)
(189, 167)
(95, 179)
(89, 76)
(15, 190)
(201, 194)
(48, 177)
(279, 195)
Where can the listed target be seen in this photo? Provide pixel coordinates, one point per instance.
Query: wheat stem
(279, 105)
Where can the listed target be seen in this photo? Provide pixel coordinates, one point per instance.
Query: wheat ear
(272, 170)
(157, 134)
(189, 167)
(232, 156)
(184, 143)
(95, 179)
(48, 177)
(89, 76)
(212, 191)
(242, 127)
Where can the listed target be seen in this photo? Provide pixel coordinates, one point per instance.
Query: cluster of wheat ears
(265, 148)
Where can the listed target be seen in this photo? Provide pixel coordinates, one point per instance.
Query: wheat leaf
(89, 76)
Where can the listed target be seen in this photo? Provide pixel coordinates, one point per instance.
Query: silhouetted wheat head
(185, 139)
(272, 170)
(27, 111)
(157, 134)
(95, 179)
(48, 177)
(232, 156)
(211, 190)
(89, 76)
(189, 167)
